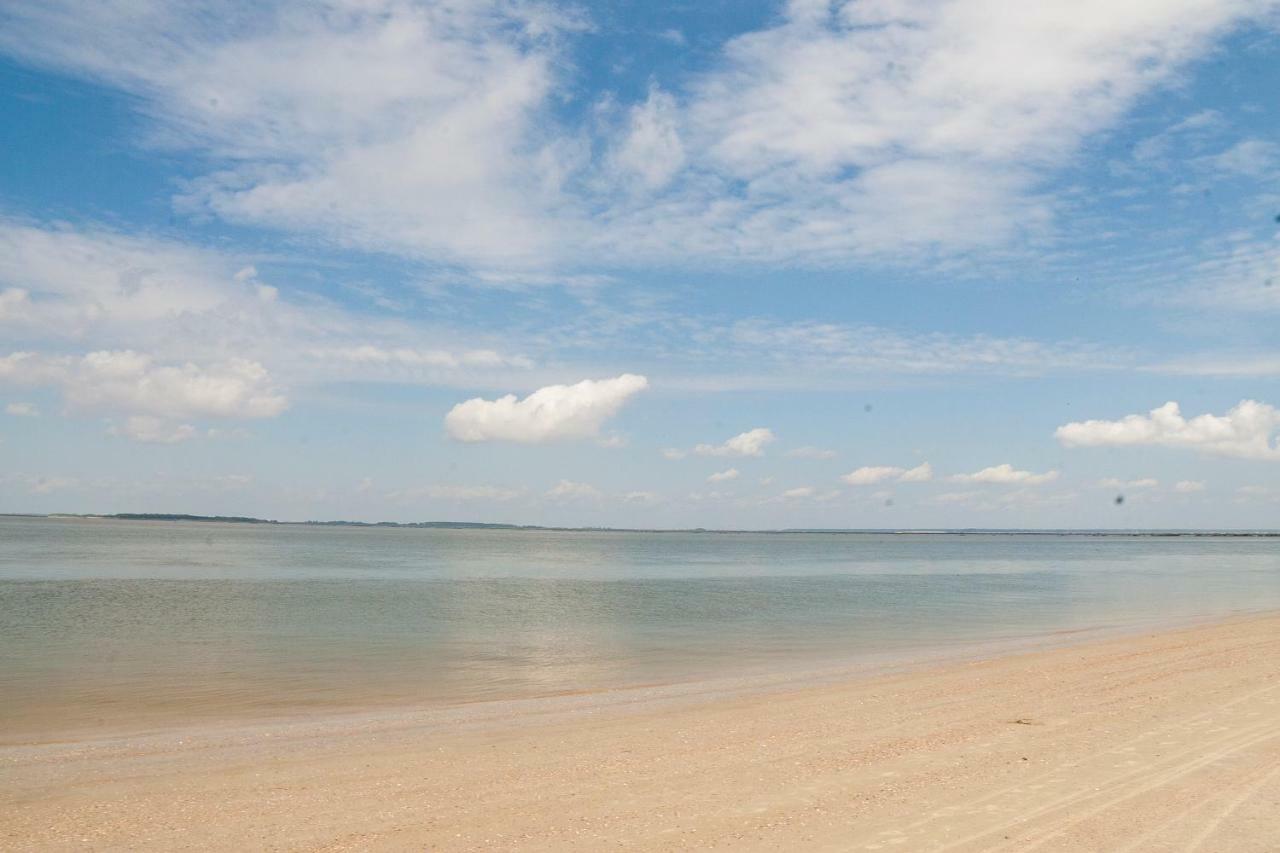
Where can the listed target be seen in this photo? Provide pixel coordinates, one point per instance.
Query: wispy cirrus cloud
(843, 131)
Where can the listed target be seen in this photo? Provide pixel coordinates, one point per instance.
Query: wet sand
(1164, 741)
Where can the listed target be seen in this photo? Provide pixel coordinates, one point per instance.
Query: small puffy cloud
(811, 453)
(640, 497)
(553, 413)
(750, 443)
(568, 490)
(722, 476)
(674, 453)
(1117, 483)
(152, 430)
(800, 492)
(808, 493)
(1186, 487)
(869, 475)
(1006, 474)
(1244, 432)
(22, 410)
(922, 473)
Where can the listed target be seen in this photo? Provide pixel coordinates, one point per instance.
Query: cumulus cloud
(1245, 431)
(553, 413)
(871, 474)
(749, 443)
(811, 453)
(134, 382)
(800, 492)
(722, 476)
(1186, 487)
(1006, 474)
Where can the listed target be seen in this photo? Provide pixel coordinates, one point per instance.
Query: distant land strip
(480, 525)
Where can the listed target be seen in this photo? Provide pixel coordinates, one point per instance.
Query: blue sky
(821, 264)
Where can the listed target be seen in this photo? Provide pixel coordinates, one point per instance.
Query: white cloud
(800, 492)
(888, 128)
(1186, 487)
(22, 410)
(845, 129)
(411, 357)
(811, 453)
(749, 443)
(674, 453)
(568, 490)
(871, 474)
(922, 473)
(722, 476)
(640, 497)
(312, 105)
(651, 150)
(1006, 474)
(133, 382)
(1117, 483)
(152, 430)
(552, 413)
(1245, 431)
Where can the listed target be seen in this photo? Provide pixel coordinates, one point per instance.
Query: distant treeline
(480, 525)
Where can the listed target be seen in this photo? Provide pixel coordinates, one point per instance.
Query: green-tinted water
(148, 623)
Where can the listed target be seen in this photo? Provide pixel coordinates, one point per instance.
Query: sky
(735, 264)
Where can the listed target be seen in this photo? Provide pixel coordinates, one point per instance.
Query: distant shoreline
(480, 525)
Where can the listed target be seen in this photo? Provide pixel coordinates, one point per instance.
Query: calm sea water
(115, 623)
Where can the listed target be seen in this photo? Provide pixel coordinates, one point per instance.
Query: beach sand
(1164, 741)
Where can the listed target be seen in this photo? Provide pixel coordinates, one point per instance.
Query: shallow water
(136, 624)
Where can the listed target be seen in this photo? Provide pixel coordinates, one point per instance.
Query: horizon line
(485, 525)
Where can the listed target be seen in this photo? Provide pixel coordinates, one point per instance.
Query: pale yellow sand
(1168, 741)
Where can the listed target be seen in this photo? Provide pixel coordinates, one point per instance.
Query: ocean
(133, 625)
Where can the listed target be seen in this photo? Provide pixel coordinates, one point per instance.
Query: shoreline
(172, 726)
(1167, 722)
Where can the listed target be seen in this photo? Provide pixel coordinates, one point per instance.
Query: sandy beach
(1164, 741)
